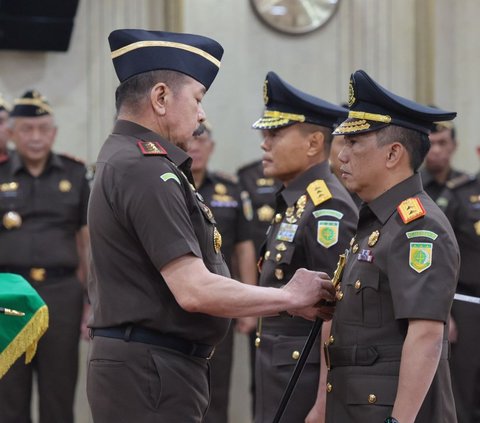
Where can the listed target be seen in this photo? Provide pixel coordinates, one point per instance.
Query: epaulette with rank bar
(460, 181)
(149, 148)
(319, 192)
(411, 209)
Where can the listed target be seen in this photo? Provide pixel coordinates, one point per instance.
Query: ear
(395, 153)
(316, 142)
(158, 98)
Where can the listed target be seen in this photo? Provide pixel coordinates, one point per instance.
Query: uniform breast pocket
(286, 352)
(362, 305)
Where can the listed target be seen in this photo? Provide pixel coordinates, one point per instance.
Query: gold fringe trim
(26, 341)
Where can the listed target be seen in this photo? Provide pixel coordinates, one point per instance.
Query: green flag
(19, 334)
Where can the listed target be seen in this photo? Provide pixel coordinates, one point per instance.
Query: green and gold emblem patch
(327, 233)
(420, 257)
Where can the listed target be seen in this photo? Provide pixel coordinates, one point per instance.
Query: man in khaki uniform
(462, 200)
(314, 220)
(160, 289)
(387, 349)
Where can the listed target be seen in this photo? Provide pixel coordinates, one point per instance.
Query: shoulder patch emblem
(411, 209)
(422, 234)
(319, 192)
(459, 181)
(327, 233)
(149, 148)
(420, 257)
(327, 212)
(169, 175)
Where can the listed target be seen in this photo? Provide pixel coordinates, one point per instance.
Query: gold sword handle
(337, 275)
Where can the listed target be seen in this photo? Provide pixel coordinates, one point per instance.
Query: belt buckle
(38, 274)
(326, 353)
(211, 353)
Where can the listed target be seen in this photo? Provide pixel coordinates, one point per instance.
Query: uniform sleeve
(330, 228)
(152, 199)
(84, 195)
(423, 264)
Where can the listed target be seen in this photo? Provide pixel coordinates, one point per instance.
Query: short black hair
(416, 143)
(132, 92)
(309, 128)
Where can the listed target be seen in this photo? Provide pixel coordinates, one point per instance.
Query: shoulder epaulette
(319, 192)
(72, 158)
(460, 181)
(225, 177)
(411, 209)
(150, 148)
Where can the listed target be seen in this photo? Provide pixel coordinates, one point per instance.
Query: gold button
(295, 355)
(257, 341)
(339, 295)
(358, 284)
(355, 248)
(278, 218)
(279, 274)
(331, 340)
(372, 399)
(329, 387)
(278, 257)
(267, 255)
(38, 274)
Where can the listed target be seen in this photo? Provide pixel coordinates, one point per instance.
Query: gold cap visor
(272, 119)
(357, 126)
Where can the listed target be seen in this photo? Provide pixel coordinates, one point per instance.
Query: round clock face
(295, 16)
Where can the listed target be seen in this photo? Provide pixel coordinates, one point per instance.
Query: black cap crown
(286, 105)
(31, 104)
(373, 107)
(136, 51)
(3, 104)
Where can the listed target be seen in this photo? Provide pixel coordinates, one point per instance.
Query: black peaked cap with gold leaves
(286, 105)
(31, 104)
(373, 107)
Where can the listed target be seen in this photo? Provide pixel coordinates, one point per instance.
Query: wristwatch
(391, 420)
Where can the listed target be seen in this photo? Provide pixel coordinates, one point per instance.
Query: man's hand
(308, 290)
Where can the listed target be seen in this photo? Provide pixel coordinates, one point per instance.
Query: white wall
(380, 36)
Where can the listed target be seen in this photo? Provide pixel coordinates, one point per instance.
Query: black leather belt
(149, 336)
(39, 274)
(361, 355)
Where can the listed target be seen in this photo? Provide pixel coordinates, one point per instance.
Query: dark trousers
(135, 382)
(465, 362)
(55, 363)
(274, 366)
(220, 375)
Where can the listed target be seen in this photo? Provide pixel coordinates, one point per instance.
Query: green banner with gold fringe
(23, 320)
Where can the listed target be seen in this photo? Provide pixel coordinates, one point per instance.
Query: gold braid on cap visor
(282, 115)
(171, 44)
(369, 116)
(37, 102)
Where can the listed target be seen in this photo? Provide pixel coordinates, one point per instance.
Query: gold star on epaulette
(149, 148)
(319, 192)
(411, 209)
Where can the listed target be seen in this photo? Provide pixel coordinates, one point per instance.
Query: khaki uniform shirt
(258, 197)
(314, 220)
(43, 213)
(144, 213)
(463, 211)
(222, 194)
(394, 271)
